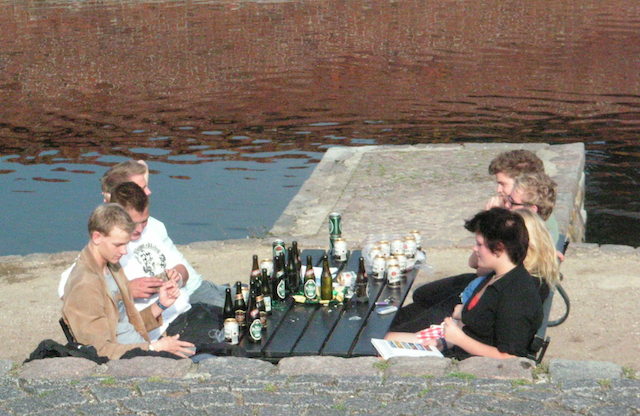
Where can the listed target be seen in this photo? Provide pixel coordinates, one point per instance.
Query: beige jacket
(92, 315)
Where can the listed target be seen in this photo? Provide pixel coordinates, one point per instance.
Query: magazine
(388, 349)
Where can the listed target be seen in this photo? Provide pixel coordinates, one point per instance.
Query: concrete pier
(387, 189)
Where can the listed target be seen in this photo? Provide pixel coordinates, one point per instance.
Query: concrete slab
(432, 188)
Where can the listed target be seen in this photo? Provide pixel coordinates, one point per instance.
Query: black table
(345, 330)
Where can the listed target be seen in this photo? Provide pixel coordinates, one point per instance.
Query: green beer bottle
(326, 282)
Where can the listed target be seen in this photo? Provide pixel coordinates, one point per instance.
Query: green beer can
(335, 228)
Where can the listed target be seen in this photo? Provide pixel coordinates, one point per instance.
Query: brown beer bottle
(255, 269)
(310, 286)
(361, 282)
(253, 317)
(239, 306)
(326, 282)
(228, 311)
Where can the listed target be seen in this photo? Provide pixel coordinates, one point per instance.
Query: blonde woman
(541, 260)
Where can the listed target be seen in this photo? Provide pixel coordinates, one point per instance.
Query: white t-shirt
(148, 256)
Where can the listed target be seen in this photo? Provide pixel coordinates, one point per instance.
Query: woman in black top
(505, 310)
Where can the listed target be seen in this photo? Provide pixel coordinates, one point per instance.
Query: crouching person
(97, 304)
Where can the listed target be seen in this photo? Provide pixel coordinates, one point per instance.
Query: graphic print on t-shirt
(153, 261)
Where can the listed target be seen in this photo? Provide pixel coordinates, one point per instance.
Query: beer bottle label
(240, 316)
(310, 289)
(255, 330)
(281, 289)
(267, 303)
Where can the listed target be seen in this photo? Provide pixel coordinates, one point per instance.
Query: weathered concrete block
(58, 368)
(417, 366)
(230, 366)
(483, 367)
(332, 366)
(148, 367)
(562, 370)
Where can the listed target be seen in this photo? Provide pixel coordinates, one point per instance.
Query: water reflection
(232, 96)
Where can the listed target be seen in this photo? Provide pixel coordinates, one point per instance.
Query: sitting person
(436, 300)
(537, 193)
(505, 309)
(97, 304)
(506, 167)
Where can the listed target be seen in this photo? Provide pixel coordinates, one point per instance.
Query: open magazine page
(388, 349)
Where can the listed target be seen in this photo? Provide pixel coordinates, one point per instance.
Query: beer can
(385, 247)
(402, 262)
(416, 234)
(394, 276)
(410, 247)
(378, 267)
(231, 331)
(397, 246)
(374, 252)
(335, 228)
(278, 247)
(268, 265)
(340, 249)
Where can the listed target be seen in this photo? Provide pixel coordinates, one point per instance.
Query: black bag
(52, 349)
(200, 325)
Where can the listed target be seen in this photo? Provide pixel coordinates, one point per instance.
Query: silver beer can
(378, 267)
(402, 262)
(394, 276)
(416, 234)
(397, 246)
(385, 247)
(267, 264)
(231, 331)
(340, 249)
(410, 247)
(374, 252)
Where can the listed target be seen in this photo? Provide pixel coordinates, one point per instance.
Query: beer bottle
(326, 283)
(361, 281)
(292, 272)
(266, 291)
(255, 269)
(261, 309)
(239, 306)
(228, 311)
(281, 280)
(310, 286)
(253, 318)
(296, 256)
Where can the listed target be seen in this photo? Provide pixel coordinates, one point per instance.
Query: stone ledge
(322, 366)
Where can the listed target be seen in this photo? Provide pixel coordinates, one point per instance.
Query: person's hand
(175, 276)
(174, 346)
(168, 293)
(144, 287)
(457, 312)
(495, 201)
(451, 331)
(560, 256)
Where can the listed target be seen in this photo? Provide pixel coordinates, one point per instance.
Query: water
(233, 103)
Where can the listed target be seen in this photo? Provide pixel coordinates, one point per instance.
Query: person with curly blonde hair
(537, 193)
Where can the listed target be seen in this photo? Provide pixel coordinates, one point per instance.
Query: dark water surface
(233, 103)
